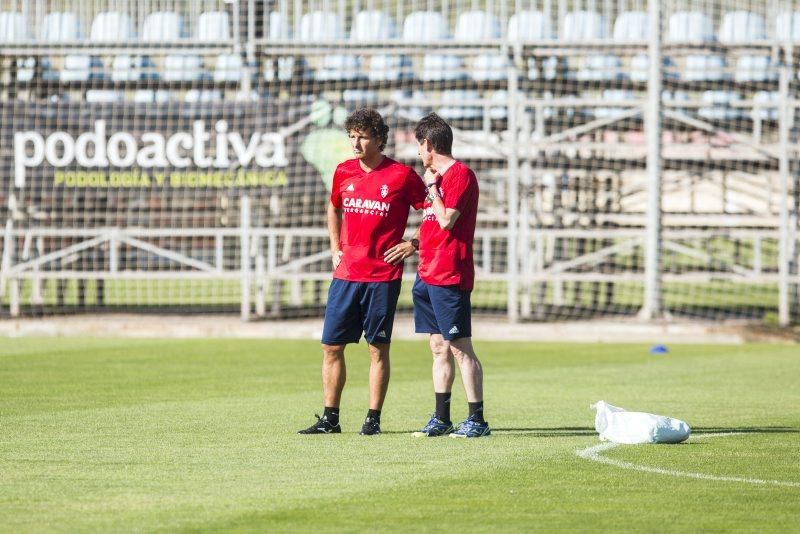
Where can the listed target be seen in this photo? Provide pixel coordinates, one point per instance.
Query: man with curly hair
(367, 215)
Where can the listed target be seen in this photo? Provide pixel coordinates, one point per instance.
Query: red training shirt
(375, 209)
(445, 256)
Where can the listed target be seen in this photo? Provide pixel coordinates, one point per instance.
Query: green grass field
(121, 434)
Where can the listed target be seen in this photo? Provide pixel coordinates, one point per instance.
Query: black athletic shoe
(322, 426)
(370, 427)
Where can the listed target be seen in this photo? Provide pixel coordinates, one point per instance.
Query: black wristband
(415, 243)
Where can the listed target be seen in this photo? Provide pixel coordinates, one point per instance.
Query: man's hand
(431, 175)
(336, 257)
(399, 252)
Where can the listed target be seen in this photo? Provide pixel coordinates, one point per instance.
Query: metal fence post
(652, 267)
(245, 279)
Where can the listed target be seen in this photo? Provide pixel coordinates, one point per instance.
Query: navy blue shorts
(356, 307)
(442, 310)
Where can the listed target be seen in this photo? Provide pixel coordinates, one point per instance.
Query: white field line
(594, 454)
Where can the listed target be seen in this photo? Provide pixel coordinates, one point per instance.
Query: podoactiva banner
(89, 164)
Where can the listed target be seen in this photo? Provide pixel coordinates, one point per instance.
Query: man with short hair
(446, 277)
(367, 215)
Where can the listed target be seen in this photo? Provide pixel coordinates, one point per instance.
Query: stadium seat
(149, 96)
(481, 26)
(112, 27)
(279, 30)
(720, 105)
(105, 96)
(590, 26)
(690, 26)
(326, 26)
(612, 95)
(456, 109)
(426, 27)
(59, 27)
(229, 68)
(375, 26)
(198, 95)
(745, 27)
(705, 68)
(183, 68)
(631, 26)
(533, 26)
(768, 97)
(787, 26)
(14, 28)
(213, 27)
(162, 26)
(742, 27)
(694, 26)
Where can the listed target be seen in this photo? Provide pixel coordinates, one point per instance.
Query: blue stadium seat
(326, 26)
(590, 26)
(430, 26)
(475, 26)
(745, 27)
(374, 26)
(526, 26)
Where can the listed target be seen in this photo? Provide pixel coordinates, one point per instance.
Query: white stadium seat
(694, 26)
(112, 27)
(427, 27)
(326, 26)
(456, 108)
(533, 26)
(689, 26)
(590, 26)
(631, 26)
(279, 30)
(13, 27)
(720, 102)
(612, 95)
(213, 27)
(229, 68)
(375, 26)
(787, 26)
(162, 26)
(744, 27)
(741, 27)
(768, 97)
(481, 26)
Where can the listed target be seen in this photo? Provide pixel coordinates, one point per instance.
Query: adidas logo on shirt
(382, 333)
(453, 330)
(350, 188)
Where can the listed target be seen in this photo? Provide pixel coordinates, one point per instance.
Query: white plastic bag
(619, 426)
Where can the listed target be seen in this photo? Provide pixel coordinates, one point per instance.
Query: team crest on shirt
(384, 190)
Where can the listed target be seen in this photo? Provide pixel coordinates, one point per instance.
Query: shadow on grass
(569, 431)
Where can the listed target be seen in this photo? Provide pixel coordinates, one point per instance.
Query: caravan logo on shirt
(366, 206)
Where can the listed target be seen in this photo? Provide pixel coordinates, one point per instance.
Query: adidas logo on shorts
(453, 330)
(382, 333)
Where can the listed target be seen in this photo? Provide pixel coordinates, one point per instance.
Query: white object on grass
(620, 426)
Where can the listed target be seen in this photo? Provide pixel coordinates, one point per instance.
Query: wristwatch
(415, 243)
